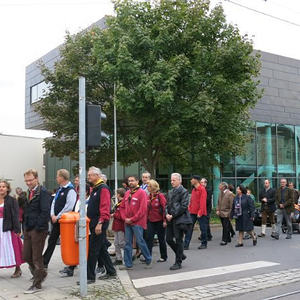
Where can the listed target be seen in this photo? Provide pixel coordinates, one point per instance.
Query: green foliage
(184, 78)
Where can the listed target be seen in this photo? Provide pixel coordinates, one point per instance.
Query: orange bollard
(69, 244)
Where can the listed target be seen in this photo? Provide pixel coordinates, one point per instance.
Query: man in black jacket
(63, 202)
(178, 218)
(36, 217)
(268, 207)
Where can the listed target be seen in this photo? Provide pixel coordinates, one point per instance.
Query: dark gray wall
(280, 79)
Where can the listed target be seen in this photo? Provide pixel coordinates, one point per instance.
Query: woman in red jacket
(156, 219)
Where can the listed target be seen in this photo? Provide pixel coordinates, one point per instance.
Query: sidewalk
(56, 287)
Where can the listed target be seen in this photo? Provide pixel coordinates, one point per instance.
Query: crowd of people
(140, 215)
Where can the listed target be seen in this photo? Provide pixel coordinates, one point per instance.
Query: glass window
(227, 166)
(38, 91)
(250, 183)
(266, 150)
(246, 163)
(286, 150)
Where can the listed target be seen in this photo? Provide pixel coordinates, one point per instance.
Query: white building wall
(18, 154)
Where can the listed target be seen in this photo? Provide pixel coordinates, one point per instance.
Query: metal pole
(82, 177)
(115, 143)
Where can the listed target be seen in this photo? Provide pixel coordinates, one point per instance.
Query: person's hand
(54, 219)
(98, 229)
(281, 205)
(169, 217)
(128, 221)
(265, 200)
(164, 224)
(218, 212)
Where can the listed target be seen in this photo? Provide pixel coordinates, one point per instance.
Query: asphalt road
(284, 252)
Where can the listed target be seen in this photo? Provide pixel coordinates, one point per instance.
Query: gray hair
(177, 175)
(224, 184)
(95, 170)
(204, 179)
(104, 177)
(146, 172)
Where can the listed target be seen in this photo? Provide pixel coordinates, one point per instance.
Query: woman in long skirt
(10, 229)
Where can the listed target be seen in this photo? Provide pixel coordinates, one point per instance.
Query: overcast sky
(31, 28)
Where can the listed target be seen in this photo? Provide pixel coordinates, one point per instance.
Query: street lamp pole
(115, 142)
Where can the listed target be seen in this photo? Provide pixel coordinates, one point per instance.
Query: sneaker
(107, 276)
(202, 247)
(100, 270)
(142, 260)
(68, 273)
(148, 266)
(247, 237)
(161, 260)
(239, 245)
(288, 237)
(275, 236)
(64, 270)
(32, 290)
(262, 235)
(125, 268)
(175, 267)
(117, 262)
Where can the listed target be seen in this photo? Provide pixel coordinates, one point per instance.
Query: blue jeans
(137, 231)
(203, 223)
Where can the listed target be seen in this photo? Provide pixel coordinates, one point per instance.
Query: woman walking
(10, 229)
(243, 212)
(156, 219)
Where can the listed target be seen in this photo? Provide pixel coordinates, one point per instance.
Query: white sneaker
(32, 290)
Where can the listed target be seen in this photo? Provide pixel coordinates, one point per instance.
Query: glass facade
(272, 152)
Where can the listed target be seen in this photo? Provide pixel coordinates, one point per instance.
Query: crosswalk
(204, 273)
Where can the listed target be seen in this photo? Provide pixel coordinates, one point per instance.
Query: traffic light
(94, 133)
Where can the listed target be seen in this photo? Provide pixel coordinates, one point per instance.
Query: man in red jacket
(197, 209)
(135, 216)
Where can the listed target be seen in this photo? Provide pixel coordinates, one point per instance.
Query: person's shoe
(100, 270)
(239, 245)
(175, 267)
(107, 276)
(183, 257)
(16, 274)
(223, 243)
(148, 266)
(89, 281)
(202, 247)
(117, 262)
(275, 236)
(288, 237)
(246, 237)
(161, 260)
(142, 260)
(262, 235)
(199, 238)
(125, 268)
(32, 290)
(64, 270)
(186, 248)
(67, 273)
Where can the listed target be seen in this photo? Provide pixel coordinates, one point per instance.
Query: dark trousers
(97, 246)
(209, 235)
(226, 229)
(34, 242)
(54, 236)
(175, 233)
(203, 222)
(264, 217)
(157, 228)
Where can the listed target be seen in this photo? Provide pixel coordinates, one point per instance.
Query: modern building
(18, 154)
(273, 151)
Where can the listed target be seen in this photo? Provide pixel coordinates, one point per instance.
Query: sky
(31, 28)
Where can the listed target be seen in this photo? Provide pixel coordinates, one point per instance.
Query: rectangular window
(39, 91)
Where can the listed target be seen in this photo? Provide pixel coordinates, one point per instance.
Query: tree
(184, 78)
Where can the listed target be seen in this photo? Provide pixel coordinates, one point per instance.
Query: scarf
(238, 206)
(132, 191)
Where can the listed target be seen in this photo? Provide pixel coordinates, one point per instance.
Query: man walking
(198, 211)
(268, 207)
(178, 218)
(208, 206)
(224, 207)
(36, 216)
(135, 216)
(285, 206)
(98, 211)
(63, 202)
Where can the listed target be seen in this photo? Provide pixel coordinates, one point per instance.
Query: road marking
(155, 280)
